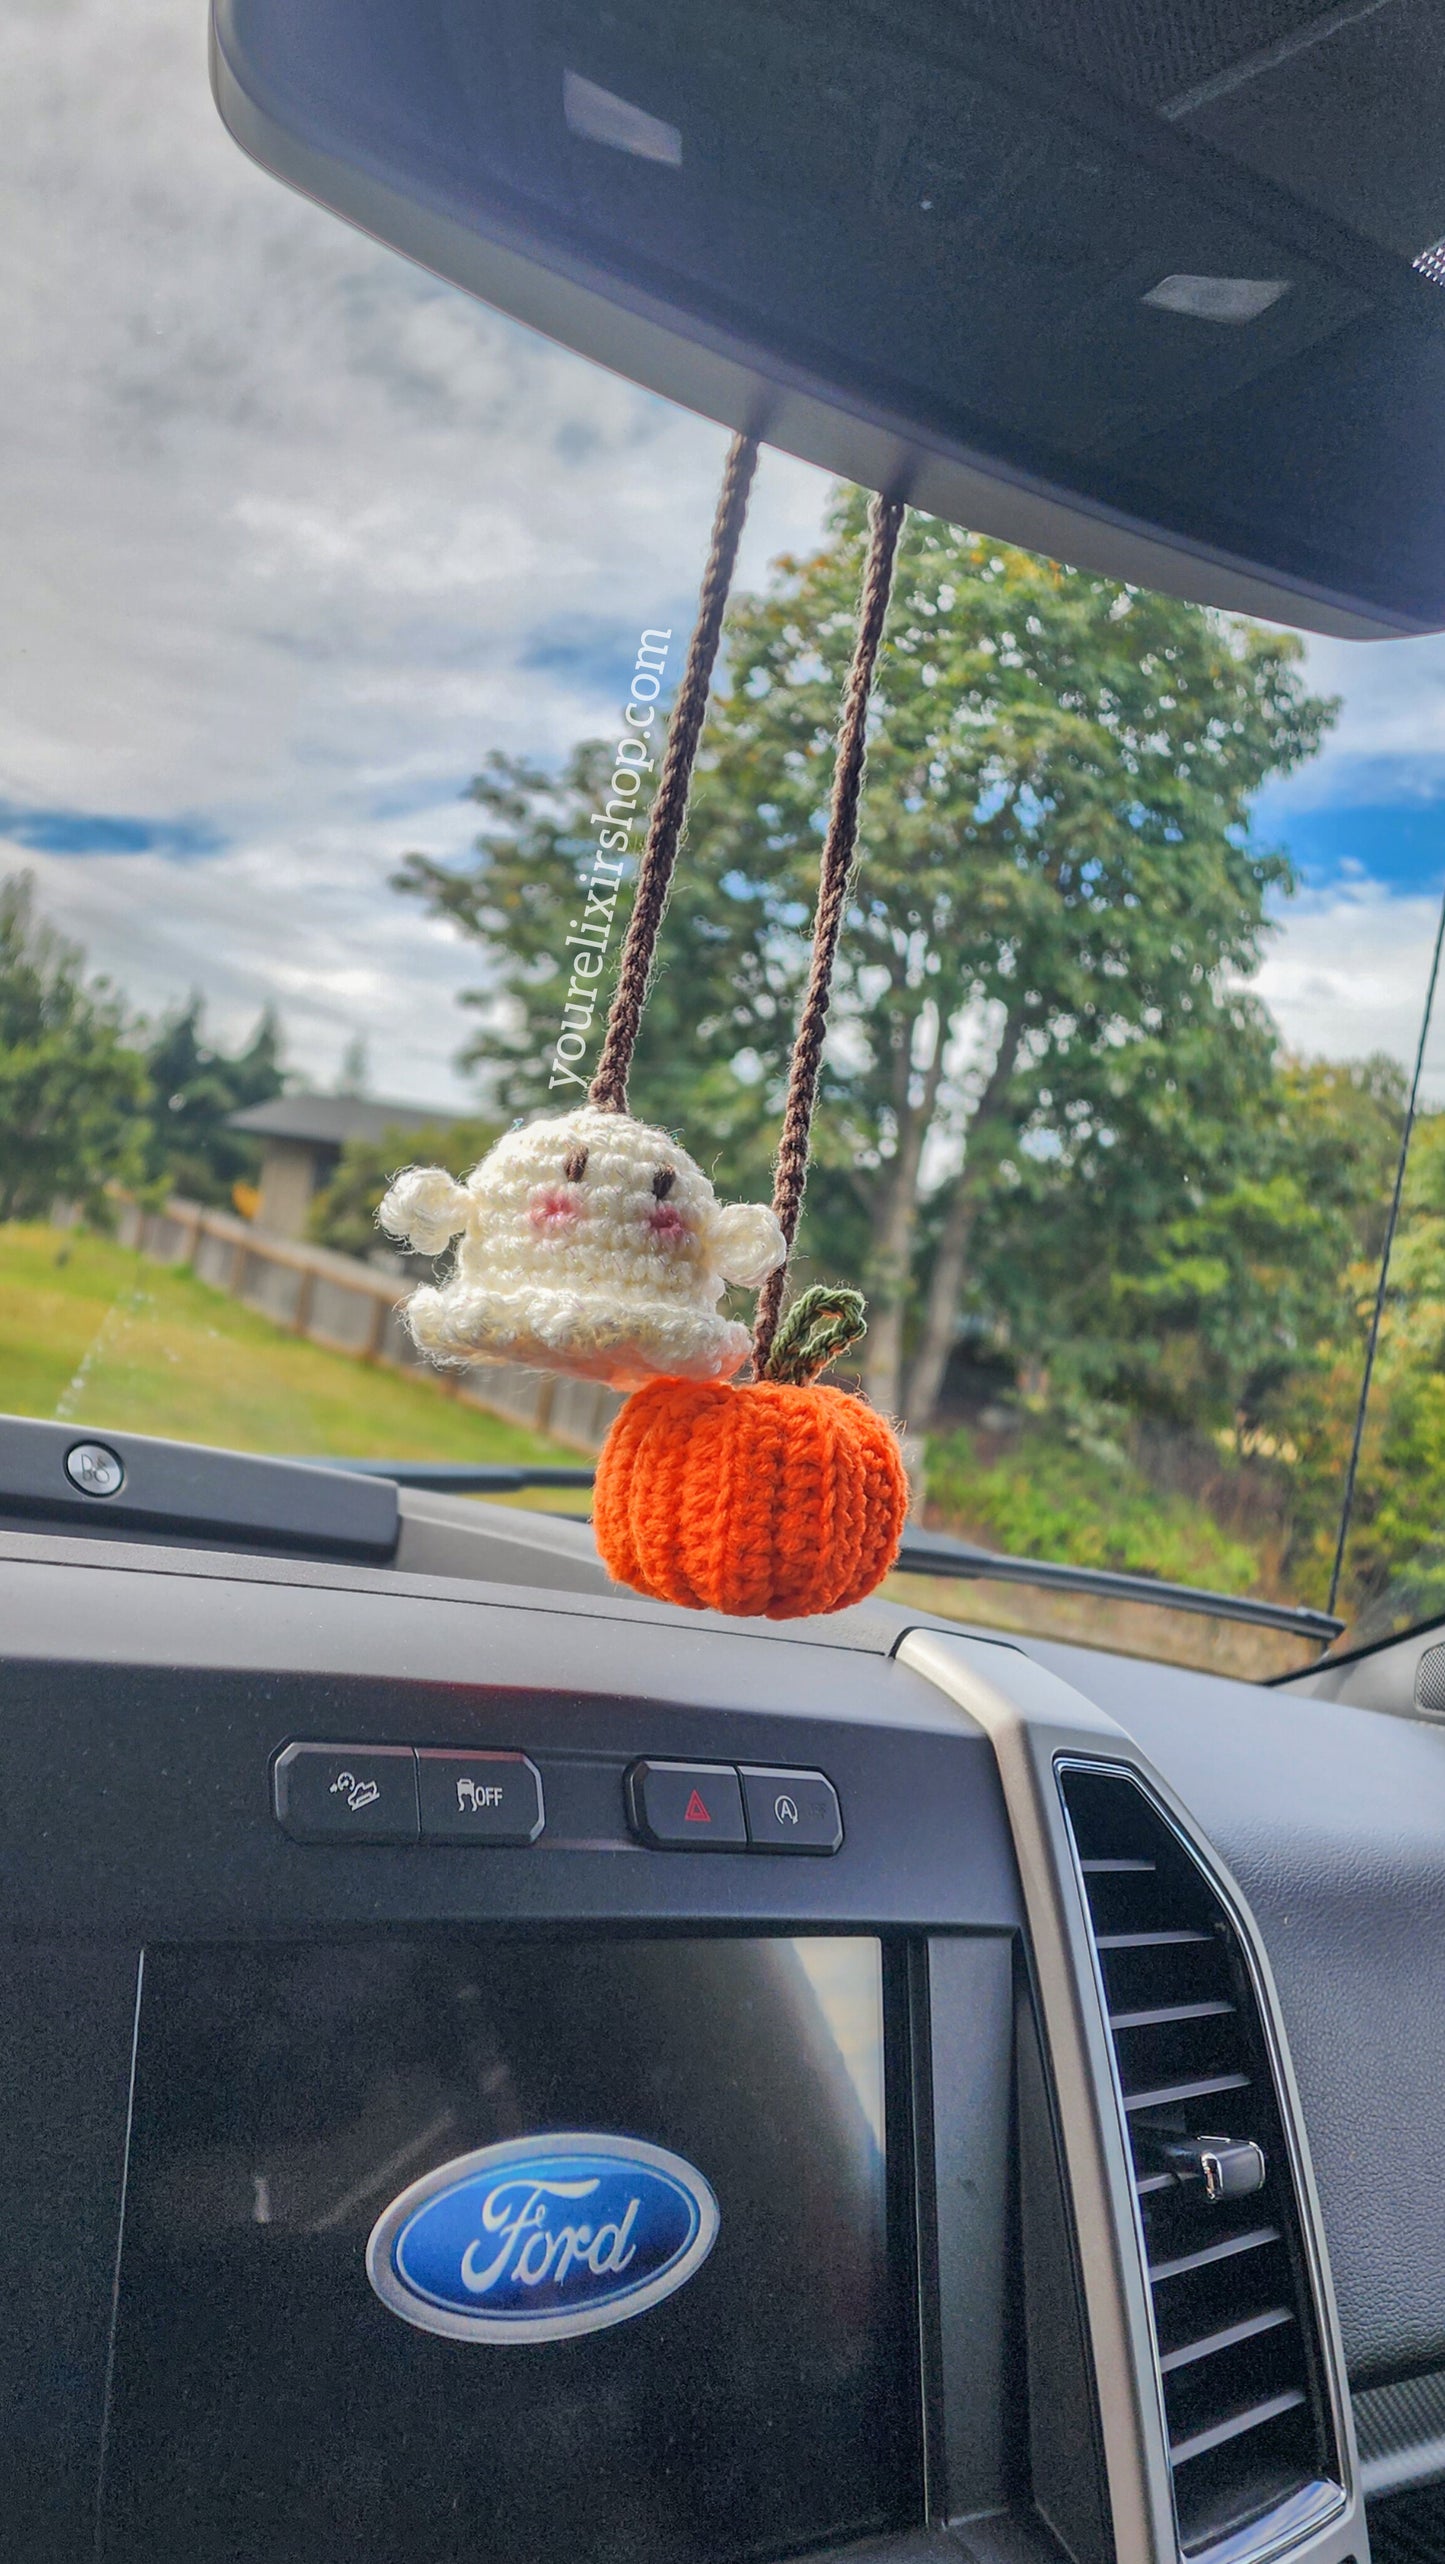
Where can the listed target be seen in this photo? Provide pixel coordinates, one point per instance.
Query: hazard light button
(687, 1807)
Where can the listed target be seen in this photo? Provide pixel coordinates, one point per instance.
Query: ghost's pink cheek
(552, 1212)
(666, 1223)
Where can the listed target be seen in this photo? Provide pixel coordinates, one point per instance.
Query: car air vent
(1241, 2373)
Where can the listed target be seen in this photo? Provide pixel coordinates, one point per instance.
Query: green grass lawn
(94, 1335)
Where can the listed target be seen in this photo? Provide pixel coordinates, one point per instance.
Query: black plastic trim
(190, 1492)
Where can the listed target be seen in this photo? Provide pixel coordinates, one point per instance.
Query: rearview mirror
(1117, 279)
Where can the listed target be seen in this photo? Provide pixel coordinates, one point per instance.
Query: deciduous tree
(1058, 897)
(73, 1085)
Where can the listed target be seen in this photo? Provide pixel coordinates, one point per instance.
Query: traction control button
(478, 1798)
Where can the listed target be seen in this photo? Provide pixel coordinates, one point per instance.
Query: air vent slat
(1163, 2096)
(1164, 2013)
(1208, 2254)
(1148, 1940)
(1190, 2352)
(1235, 2425)
(1235, 2333)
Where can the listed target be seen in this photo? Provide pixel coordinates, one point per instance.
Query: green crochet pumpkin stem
(820, 1324)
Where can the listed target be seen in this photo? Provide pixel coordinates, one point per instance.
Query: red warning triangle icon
(695, 1813)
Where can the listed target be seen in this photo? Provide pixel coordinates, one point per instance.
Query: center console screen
(577, 2252)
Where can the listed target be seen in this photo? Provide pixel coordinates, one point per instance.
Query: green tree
(1057, 898)
(1213, 1315)
(343, 1213)
(353, 1077)
(73, 1084)
(1395, 1562)
(197, 1087)
(518, 897)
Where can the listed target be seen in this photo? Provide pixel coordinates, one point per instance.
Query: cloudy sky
(294, 534)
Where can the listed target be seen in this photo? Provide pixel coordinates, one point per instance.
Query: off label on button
(478, 1798)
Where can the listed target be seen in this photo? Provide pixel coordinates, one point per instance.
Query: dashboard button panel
(723, 1807)
(347, 1793)
(478, 1798)
(687, 1807)
(491, 1796)
(790, 1811)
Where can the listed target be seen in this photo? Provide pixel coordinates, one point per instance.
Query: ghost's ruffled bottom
(640, 1339)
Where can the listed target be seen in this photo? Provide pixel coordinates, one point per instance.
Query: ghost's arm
(746, 1242)
(425, 1207)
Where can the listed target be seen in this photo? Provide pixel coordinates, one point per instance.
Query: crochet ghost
(588, 1243)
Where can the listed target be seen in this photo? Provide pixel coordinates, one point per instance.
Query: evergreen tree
(197, 1088)
(353, 1077)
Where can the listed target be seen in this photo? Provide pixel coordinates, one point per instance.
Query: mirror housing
(923, 253)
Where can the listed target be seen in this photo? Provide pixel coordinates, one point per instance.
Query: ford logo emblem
(542, 2239)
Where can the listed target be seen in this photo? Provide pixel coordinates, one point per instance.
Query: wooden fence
(355, 1308)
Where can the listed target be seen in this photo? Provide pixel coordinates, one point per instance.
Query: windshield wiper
(924, 1553)
(461, 1477)
(935, 1553)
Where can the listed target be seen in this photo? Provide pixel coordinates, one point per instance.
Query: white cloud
(294, 534)
(1346, 976)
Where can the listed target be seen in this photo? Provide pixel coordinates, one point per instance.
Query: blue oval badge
(542, 2239)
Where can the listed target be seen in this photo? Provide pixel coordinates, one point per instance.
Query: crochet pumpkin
(775, 1500)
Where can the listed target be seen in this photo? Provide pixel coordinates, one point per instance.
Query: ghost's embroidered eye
(575, 1166)
(664, 1219)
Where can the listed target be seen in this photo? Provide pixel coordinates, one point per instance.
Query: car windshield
(344, 615)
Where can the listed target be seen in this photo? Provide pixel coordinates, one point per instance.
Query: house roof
(332, 1120)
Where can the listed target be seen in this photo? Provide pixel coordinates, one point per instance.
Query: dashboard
(1036, 2053)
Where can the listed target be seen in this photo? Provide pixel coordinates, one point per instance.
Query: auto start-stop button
(791, 1811)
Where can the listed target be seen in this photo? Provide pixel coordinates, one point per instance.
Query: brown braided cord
(835, 871)
(664, 830)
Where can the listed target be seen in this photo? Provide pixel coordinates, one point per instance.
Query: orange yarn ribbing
(770, 1500)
